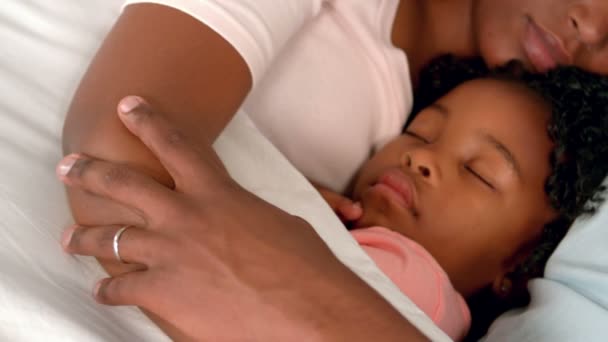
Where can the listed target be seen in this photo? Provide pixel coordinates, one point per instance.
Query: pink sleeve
(258, 29)
(417, 275)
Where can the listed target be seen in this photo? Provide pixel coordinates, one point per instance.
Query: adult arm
(260, 275)
(181, 65)
(196, 67)
(197, 73)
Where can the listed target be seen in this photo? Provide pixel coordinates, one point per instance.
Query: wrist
(322, 300)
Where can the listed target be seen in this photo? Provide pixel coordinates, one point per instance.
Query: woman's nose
(590, 21)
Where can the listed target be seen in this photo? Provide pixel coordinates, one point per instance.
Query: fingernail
(96, 288)
(66, 164)
(128, 104)
(67, 236)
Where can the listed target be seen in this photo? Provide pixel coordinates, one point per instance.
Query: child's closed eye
(417, 137)
(479, 177)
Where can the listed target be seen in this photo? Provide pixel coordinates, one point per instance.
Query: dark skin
(497, 30)
(466, 181)
(239, 294)
(178, 59)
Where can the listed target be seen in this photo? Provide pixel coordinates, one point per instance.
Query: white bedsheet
(45, 294)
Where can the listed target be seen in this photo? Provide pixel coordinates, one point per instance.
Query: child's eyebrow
(504, 151)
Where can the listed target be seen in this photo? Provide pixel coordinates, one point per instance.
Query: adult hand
(219, 263)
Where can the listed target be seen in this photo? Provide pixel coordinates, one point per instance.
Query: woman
(199, 79)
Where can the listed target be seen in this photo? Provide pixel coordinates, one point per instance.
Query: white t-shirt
(329, 86)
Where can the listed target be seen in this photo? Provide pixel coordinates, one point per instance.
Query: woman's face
(543, 33)
(466, 181)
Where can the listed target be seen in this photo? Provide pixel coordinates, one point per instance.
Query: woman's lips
(399, 187)
(544, 50)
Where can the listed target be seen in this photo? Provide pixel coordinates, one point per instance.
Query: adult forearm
(330, 302)
(180, 65)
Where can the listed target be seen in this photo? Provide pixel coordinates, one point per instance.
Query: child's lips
(399, 187)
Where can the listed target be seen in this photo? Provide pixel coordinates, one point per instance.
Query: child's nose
(424, 163)
(424, 171)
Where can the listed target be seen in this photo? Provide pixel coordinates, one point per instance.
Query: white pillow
(45, 294)
(571, 302)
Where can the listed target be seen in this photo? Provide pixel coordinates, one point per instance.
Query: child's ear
(502, 286)
(511, 287)
(510, 283)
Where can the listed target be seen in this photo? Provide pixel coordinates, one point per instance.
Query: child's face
(466, 181)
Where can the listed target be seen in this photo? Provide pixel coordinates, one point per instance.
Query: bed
(45, 294)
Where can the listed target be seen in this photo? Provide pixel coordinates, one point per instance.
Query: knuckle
(117, 175)
(168, 248)
(174, 137)
(175, 212)
(80, 168)
(102, 294)
(124, 290)
(104, 240)
(75, 242)
(145, 250)
(115, 289)
(88, 241)
(180, 143)
(112, 291)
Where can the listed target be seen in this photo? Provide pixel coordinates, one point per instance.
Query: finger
(148, 198)
(125, 289)
(333, 199)
(183, 161)
(350, 211)
(135, 245)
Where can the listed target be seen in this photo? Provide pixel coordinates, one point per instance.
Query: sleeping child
(482, 185)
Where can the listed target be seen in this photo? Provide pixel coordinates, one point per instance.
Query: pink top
(329, 86)
(419, 276)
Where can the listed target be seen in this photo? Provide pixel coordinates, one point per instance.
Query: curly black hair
(578, 128)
